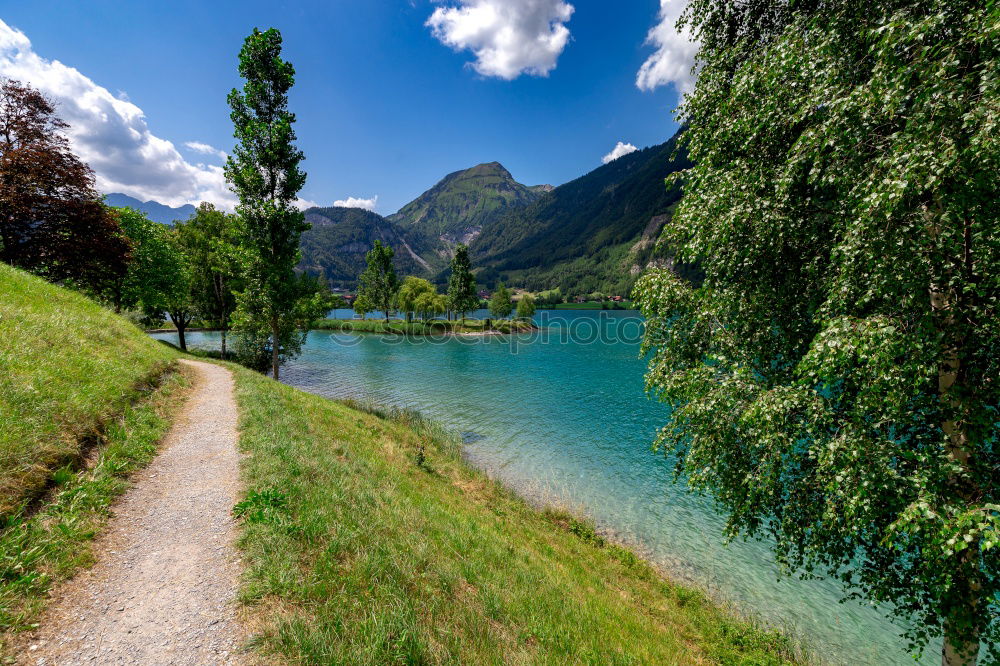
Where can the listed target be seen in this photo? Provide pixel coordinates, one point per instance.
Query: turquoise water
(564, 419)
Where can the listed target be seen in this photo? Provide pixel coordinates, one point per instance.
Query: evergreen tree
(264, 172)
(833, 381)
(378, 284)
(462, 296)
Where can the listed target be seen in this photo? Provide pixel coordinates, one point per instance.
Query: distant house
(485, 295)
(617, 299)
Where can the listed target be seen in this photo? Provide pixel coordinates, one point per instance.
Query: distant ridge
(154, 210)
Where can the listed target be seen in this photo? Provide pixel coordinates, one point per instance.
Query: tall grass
(367, 540)
(68, 368)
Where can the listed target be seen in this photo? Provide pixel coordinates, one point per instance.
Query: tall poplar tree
(834, 382)
(264, 172)
(378, 284)
(462, 297)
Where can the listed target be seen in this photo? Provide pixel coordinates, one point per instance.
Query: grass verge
(69, 367)
(367, 540)
(433, 327)
(49, 544)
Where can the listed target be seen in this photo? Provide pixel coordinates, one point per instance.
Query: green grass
(433, 327)
(40, 548)
(69, 368)
(367, 540)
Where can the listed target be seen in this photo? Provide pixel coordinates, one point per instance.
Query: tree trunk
(958, 650)
(274, 348)
(966, 653)
(223, 344)
(180, 322)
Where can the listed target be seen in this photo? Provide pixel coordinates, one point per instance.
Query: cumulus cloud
(620, 150)
(355, 202)
(111, 134)
(508, 37)
(675, 52)
(205, 149)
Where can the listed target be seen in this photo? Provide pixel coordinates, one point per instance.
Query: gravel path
(162, 590)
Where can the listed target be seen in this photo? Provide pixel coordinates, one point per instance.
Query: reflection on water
(568, 423)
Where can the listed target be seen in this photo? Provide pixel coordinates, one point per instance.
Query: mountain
(461, 205)
(595, 233)
(335, 247)
(155, 211)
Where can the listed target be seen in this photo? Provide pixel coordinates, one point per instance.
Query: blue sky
(390, 94)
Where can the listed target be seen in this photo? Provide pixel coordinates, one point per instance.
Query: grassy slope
(358, 553)
(52, 543)
(74, 373)
(69, 366)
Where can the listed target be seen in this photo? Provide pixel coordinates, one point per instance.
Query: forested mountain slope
(335, 247)
(593, 233)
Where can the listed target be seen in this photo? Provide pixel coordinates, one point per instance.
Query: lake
(563, 418)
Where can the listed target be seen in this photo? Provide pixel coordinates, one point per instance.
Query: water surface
(565, 420)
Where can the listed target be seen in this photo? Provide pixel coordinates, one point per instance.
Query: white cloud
(355, 202)
(508, 37)
(675, 52)
(205, 149)
(620, 150)
(111, 134)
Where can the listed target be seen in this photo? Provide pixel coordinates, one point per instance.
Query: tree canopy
(410, 293)
(157, 271)
(526, 307)
(462, 297)
(842, 204)
(500, 304)
(263, 170)
(210, 240)
(52, 220)
(378, 283)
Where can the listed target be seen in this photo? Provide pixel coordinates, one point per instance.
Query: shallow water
(564, 419)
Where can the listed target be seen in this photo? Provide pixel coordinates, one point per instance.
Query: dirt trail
(162, 590)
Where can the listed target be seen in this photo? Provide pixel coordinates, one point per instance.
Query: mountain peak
(457, 207)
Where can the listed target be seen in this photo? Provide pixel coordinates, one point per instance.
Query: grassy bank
(69, 368)
(84, 399)
(432, 327)
(368, 540)
(51, 543)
